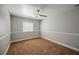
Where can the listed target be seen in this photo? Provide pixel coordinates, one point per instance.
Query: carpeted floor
(39, 46)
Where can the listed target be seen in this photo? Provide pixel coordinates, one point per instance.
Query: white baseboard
(65, 45)
(23, 39)
(7, 49)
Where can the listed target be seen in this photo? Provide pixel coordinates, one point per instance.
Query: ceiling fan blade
(42, 15)
(77, 5)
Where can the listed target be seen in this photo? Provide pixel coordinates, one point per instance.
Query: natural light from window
(27, 26)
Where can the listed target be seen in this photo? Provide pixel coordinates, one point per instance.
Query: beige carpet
(39, 46)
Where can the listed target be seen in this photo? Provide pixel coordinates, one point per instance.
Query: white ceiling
(61, 6)
(41, 6)
(29, 10)
(25, 10)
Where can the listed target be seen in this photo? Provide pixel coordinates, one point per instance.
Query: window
(27, 26)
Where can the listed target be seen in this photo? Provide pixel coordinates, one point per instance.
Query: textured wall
(17, 28)
(62, 26)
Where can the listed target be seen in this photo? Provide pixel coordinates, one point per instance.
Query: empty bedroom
(39, 29)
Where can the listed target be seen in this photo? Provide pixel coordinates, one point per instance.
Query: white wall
(4, 29)
(61, 26)
(17, 28)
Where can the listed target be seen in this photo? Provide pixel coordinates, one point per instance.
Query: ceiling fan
(38, 13)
